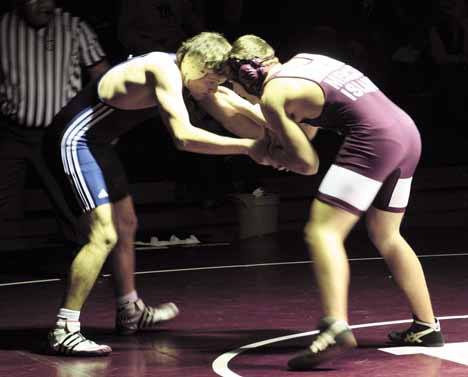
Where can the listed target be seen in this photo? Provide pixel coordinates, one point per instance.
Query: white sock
(435, 326)
(339, 326)
(65, 315)
(127, 299)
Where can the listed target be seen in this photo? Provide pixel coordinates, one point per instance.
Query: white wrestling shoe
(137, 316)
(69, 341)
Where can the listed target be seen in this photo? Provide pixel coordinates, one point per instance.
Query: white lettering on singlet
(350, 82)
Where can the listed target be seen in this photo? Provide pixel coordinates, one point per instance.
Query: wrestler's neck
(272, 69)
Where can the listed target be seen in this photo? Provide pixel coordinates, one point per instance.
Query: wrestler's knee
(127, 226)
(380, 235)
(314, 233)
(103, 237)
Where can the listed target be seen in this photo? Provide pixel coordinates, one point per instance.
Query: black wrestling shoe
(334, 338)
(419, 334)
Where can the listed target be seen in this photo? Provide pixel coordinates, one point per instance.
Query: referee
(42, 52)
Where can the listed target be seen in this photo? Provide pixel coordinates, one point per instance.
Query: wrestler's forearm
(282, 158)
(197, 140)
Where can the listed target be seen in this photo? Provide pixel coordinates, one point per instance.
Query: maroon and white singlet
(382, 145)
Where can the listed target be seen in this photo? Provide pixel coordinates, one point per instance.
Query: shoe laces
(322, 342)
(415, 336)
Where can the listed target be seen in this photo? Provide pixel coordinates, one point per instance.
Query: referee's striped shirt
(40, 69)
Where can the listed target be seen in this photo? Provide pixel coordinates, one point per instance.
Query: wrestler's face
(205, 86)
(36, 13)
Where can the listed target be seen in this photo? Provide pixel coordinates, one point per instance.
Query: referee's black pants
(21, 149)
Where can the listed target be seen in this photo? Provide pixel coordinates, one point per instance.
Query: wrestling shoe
(69, 341)
(418, 334)
(334, 338)
(137, 316)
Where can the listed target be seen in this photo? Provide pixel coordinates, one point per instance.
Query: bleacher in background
(439, 199)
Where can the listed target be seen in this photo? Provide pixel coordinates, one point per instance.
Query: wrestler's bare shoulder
(130, 85)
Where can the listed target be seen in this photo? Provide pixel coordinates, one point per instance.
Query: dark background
(366, 34)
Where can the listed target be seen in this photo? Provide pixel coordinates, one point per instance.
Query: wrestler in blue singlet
(86, 128)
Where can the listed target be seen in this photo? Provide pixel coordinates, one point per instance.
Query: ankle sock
(435, 325)
(65, 315)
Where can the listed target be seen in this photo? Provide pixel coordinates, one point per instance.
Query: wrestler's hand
(261, 151)
(275, 152)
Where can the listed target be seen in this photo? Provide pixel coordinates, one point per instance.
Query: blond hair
(205, 51)
(250, 46)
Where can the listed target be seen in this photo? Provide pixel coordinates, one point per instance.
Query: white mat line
(29, 282)
(233, 266)
(220, 364)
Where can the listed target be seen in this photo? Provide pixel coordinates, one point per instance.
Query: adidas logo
(103, 194)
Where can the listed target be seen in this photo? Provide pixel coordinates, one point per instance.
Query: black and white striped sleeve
(91, 51)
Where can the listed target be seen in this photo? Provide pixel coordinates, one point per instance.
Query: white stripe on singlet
(401, 193)
(65, 147)
(350, 187)
(101, 112)
(74, 132)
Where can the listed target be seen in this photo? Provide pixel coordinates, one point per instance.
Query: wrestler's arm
(230, 110)
(309, 131)
(247, 106)
(282, 104)
(233, 101)
(243, 118)
(168, 91)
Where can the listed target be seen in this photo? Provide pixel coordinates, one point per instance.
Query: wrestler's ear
(230, 69)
